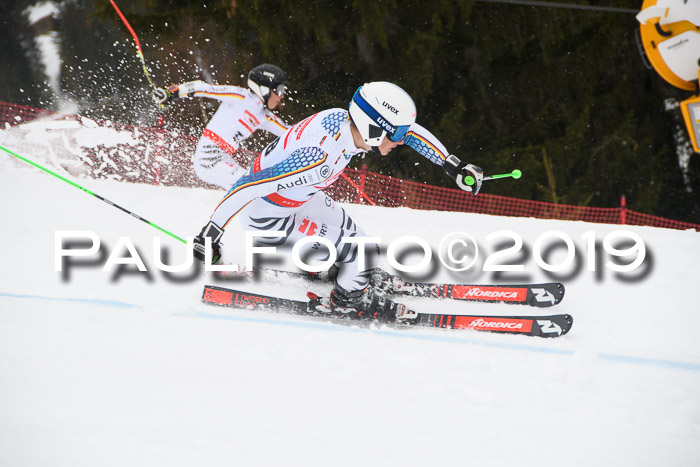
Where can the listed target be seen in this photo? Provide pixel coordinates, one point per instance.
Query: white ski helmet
(381, 109)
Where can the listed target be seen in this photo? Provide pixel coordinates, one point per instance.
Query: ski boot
(361, 304)
(390, 283)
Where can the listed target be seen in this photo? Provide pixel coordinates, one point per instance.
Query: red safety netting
(96, 149)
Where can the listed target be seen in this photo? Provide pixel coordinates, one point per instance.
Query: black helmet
(264, 78)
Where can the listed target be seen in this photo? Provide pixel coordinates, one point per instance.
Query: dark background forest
(562, 94)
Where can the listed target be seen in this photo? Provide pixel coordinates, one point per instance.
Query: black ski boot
(361, 304)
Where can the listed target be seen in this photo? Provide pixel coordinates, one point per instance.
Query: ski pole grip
(469, 180)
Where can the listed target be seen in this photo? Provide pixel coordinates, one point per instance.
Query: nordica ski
(540, 295)
(396, 313)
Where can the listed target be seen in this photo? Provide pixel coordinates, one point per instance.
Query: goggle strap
(373, 114)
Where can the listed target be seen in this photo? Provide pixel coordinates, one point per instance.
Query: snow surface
(132, 369)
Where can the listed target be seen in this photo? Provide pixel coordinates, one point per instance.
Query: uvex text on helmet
(381, 109)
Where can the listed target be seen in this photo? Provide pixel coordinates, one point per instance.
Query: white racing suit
(282, 191)
(217, 159)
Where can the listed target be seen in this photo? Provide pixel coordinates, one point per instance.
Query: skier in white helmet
(282, 190)
(219, 158)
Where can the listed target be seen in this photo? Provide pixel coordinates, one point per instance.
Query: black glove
(166, 96)
(468, 177)
(213, 232)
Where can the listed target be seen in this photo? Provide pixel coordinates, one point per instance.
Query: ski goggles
(394, 133)
(280, 90)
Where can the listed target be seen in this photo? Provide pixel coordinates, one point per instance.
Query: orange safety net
(160, 156)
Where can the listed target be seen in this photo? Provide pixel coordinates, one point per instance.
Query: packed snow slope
(120, 367)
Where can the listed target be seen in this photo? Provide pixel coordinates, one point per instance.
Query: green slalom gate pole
(93, 194)
(469, 180)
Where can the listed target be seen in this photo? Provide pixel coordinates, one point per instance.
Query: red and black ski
(542, 326)
(539, 295)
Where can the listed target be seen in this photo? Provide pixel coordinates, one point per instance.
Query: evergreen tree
(561, 94)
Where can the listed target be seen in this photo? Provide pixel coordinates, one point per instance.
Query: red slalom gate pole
(359, 190)
(623, 210)
(138, 43)
(159, 152)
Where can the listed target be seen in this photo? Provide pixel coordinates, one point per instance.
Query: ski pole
(469, 180)
(93, 194)
(138, 48)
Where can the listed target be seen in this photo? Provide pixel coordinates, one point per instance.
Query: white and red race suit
(217, 159)
(282, 191)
